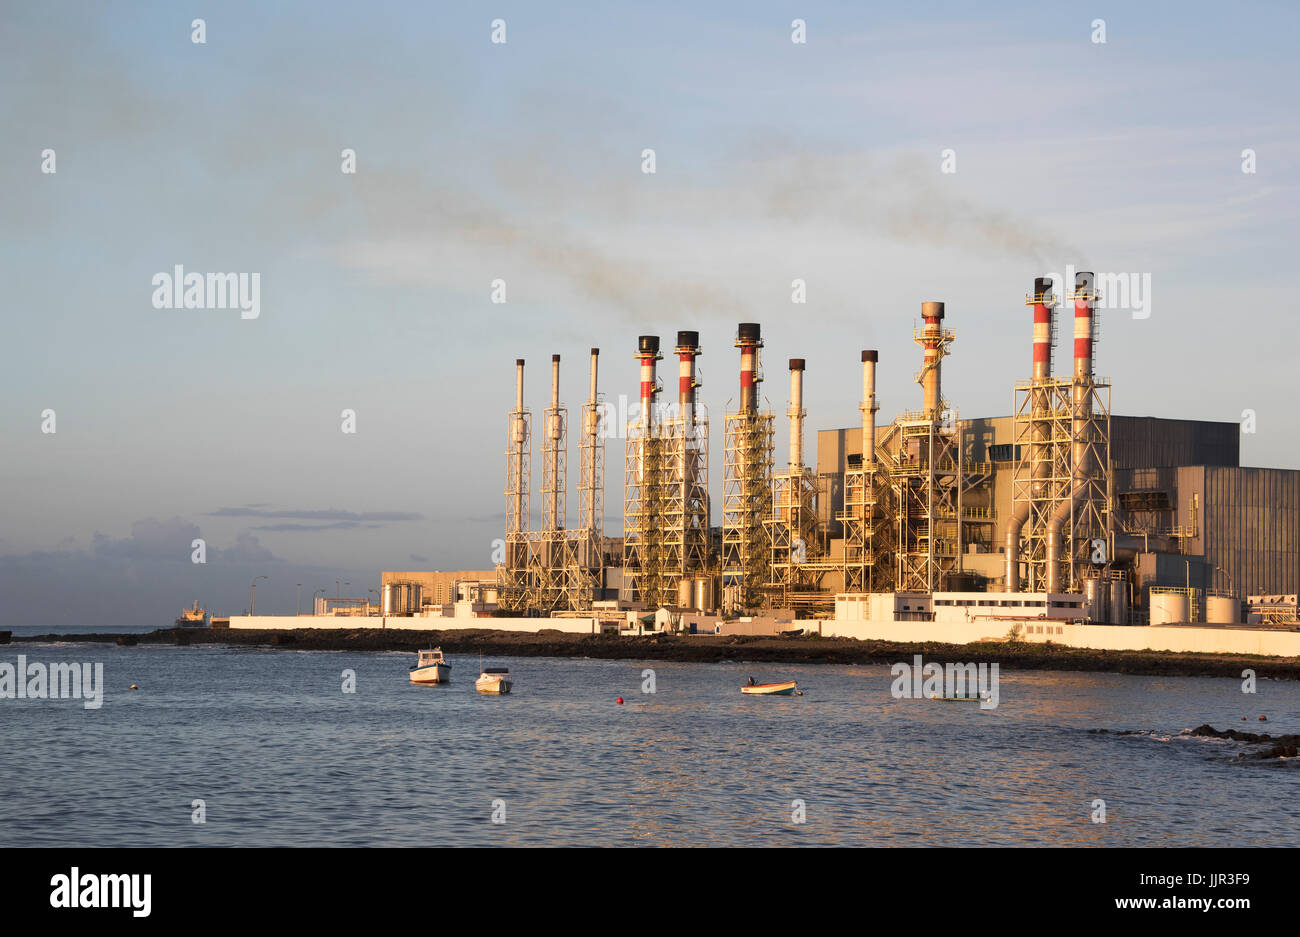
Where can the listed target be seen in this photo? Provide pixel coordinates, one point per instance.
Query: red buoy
(620, 701)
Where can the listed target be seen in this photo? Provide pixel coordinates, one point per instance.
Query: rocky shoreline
(1010, 655)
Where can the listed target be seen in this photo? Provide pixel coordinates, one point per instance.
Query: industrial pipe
(796, 414)
(554, 430)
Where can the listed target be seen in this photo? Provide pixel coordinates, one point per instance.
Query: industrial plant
(1060, 510)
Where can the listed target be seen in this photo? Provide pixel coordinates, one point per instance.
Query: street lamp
(1232, 587)
(300, 598)
(338, 590)
(252, 594)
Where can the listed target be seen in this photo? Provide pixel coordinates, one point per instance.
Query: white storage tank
(685, 592)
(1118, 612)
(1170, 607)
(1094, 591)
(703, 594)
(1222, 610)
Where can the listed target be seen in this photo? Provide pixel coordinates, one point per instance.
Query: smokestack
(687, 350)
(869, 408)
(519, 388)
(1081, 397)
(554, 430)
(591, 431)
(796, 414)
(932, 343)
(749, 340)
(647, 353)
(1043, 302)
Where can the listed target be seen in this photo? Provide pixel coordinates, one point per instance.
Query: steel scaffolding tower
(591, 488)
(643, 471)
(746, 506)
(513, 572)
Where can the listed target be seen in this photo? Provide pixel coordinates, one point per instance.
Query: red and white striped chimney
(749, 340)
(647, 353)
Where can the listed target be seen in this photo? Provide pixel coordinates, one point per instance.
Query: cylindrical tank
(1170, 607)
(1222, 610)
(703, 594)
(1117, 613)
(417, 596)
(685, 592)
(387, 606)
(1095, 597)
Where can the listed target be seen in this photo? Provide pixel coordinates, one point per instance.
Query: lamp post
(338, 590)
(1232, 587)
(252, 594)
(300, 598)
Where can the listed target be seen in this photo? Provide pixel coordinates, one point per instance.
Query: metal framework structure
(683, 503)
(746, 506)
(513, 573)
(1063, 470)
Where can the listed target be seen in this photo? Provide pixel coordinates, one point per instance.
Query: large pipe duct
(1043, 303)
(647, 353)
(796, 414)
(1081, 398)
(869, 408)
(932, 343)
(749, 340)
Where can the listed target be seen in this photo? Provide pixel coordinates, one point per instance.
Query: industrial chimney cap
(595, 351)
(1042, 285)
(796, 364)
(555, 357)
(648, 343)
(688, 339)
(1083, 280)
(932, 310)
(749, 331)
(519, 362)
(871, 355)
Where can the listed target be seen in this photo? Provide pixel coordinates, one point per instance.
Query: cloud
(417, 558)
(347, 518)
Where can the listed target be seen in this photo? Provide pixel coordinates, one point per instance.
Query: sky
(523, 161)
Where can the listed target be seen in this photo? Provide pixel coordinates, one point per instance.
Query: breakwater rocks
(1279, 746)
(1010, 655)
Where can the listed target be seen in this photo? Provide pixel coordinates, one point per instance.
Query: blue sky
(523, 161)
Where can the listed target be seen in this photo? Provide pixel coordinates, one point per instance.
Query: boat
(788, 688)
(193, 617)
(955, 699)
(431, 667)
(494, 680)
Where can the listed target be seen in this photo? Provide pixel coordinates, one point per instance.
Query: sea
(239, 746)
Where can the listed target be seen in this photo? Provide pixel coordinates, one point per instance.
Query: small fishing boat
(431, 667)
(788, 688)
(494, 680)
(955, 699)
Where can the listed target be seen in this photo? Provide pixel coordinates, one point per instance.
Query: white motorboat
(431, 667)
(494, 680)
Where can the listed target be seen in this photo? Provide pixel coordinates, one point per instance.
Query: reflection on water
(282, 756)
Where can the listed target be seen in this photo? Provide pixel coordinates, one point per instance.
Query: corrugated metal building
(1212, 522)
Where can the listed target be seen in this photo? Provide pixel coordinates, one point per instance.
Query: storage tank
(1094, 591)
(703, 594)
(685, 592)
(387, 601)
(1170, 607)
(1117, 613)
(1222, 610)
(416, 597)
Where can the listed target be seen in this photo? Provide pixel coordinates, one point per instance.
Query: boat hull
(770, 689)
(433, 673)
(494, 686)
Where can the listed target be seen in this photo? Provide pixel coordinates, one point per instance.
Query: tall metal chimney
(749, 340)
(869, 408)
(796, 413)
(932, 343)
(592, 477)
(687, 350)
(1043, 302)
(647, 353)
(1081, 399)
(554, 435)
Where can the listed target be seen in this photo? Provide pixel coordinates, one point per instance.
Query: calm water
(283, 757)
